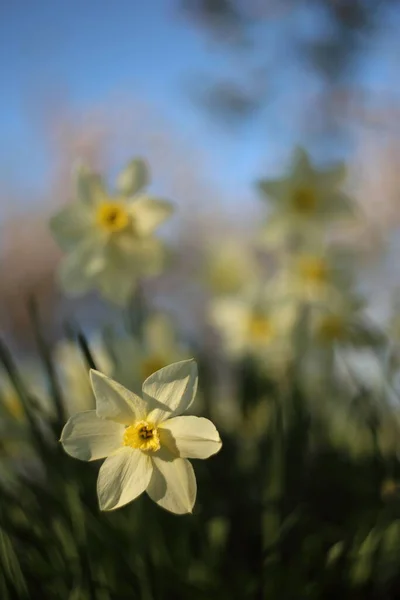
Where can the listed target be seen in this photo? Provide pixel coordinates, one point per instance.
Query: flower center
(304, 200)
(331, 328)
(112, 216)
(260, 328)
(143, 436)
(151, 365)
(313, 270)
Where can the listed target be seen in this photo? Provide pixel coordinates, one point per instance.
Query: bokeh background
(214, 95)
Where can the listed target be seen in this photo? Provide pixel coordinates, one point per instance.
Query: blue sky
(92, 49)
(96, 47)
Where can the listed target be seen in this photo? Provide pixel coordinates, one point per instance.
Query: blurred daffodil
(230, 267)
(134, 360)
(254, 328)
(343, 322)
(144, 440)
(108, 239)
(332, 338)
(304, 200)
(314, 277)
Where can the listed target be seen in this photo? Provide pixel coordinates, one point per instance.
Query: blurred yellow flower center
(143, 436)
(313, 270)
(260, 328)
(331, 328)
(112, 216)
(151, 365)
(304, 200)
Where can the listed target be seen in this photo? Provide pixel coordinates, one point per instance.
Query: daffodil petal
(333, 176)
(160, 335)
(173, 485)
(148, 213)
(114, 401)
(230, 317)
(272, 188)
(87, 437)
(301, 163)
(123, 477)
(133, 178)
(190, 437)
(71, 278)
(170, 390)
(80, 266)
(71, 224)
(116, 285)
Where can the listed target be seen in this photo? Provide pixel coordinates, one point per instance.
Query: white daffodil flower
(230, 267)
(108, 238)
(144, 440)
(314, 277)
(260, 330)
(304, 200)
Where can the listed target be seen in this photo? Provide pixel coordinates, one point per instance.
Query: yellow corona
(143, 436)
(304, 200)
(313, 270)
(260, 328)
(112, 216)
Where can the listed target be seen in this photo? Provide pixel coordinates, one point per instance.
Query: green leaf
(334, 553)
(10, 565)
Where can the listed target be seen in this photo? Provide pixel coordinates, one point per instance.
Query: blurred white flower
(230, 267)
(314, 277)
(145, 441)
(108, 239)
(304, 201)
(253, 326)
(344, 323)
(134, 360)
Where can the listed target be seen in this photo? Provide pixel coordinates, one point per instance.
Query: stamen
(143, 436)
(112, 216)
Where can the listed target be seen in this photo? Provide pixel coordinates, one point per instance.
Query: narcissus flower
(230, 267)
(108, 238)
(304, 200)
(314, 276)
(252, 326)
(136, 359)
(344, 323)
(144, 440)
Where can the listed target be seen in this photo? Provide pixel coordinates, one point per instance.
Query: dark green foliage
(299, 520)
